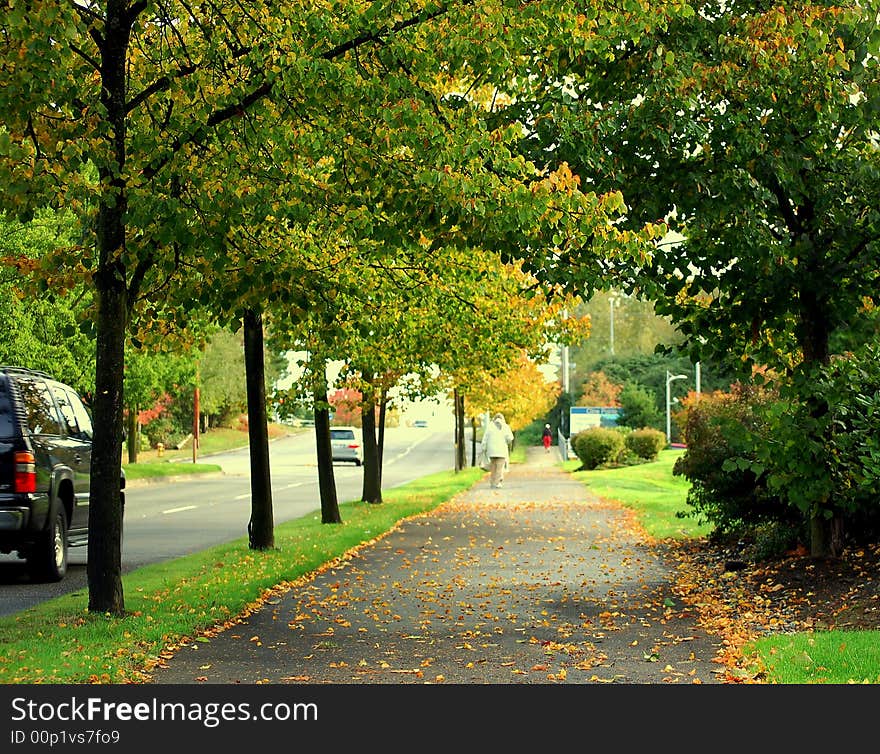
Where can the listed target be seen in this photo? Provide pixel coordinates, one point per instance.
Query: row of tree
(293, 164)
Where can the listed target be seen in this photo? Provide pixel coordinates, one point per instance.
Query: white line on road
(278, 489)
(178, 510)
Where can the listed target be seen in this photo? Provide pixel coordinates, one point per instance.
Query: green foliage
(823, 455)
(637, 332)
(531, 434)
(736, 142)
(39, 326)
(645, 443)
(638, 409)
(728, 484)
(598, 446)
(649, 371)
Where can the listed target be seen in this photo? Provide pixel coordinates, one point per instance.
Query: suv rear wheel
(47, 560)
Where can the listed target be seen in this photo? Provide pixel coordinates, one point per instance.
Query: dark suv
(45, 460)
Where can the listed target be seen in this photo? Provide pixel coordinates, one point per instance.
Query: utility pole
(611, 301)
(670, 378)
(196, 420)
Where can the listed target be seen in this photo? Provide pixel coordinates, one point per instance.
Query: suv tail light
(25, 472)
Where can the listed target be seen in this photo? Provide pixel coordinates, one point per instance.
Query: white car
(345, 444)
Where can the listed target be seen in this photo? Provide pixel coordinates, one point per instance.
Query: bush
(721, 428)
(161, 430)
(826, 450)
(597, 446)
(645, 443)
(531, 433)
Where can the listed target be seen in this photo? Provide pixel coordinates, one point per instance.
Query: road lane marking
(277, 489)
(178, 510)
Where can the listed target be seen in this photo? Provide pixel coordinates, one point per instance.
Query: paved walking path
(538, 582)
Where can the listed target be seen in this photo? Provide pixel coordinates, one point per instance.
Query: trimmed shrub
(597, 446)
(645, 443)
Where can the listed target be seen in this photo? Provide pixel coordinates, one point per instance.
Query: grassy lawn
(651, 490)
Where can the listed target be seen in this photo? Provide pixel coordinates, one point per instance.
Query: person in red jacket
(547, 437)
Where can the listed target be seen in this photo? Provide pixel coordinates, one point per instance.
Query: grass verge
(61, 642)
(824, 657)
(651, 490)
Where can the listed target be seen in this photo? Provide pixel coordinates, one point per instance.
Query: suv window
(83, 417)
(41, 413)
(341, 434)
(75, 415)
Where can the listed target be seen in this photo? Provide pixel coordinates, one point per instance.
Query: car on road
(345, 444)
(45, 468)
(421, 423)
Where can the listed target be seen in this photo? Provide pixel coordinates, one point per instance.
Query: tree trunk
(460, 451)
(813, 336)
(105, 500)
(473, 441)
(818, 543)
(326, 478)
(383, 411)
(134, 437)
(371, 491)
(261, 527)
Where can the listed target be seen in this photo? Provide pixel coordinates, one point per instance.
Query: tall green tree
(750, 129)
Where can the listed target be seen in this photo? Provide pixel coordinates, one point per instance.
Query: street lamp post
(612, 300)
(670, 378)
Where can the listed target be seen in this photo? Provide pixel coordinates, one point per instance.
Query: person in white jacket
(497, 440)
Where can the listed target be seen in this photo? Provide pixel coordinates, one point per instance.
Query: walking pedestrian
(547, 437)
(497, 440)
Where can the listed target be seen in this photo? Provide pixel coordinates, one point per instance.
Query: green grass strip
(836, 657)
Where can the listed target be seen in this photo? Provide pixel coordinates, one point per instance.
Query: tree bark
(133, 434)
(261, 527)
(105, 500)
(813, 337)
(326, 479)
(460, 450)
(383, 412)
(473, 441)
(371, 490)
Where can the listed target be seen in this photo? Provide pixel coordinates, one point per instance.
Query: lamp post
(670, 378)
(612, 300)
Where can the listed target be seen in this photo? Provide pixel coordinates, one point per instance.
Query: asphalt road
(169, 519)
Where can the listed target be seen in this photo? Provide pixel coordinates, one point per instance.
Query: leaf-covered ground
(538, 583)
(740, 601)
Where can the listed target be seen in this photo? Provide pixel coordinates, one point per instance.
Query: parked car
(345, 444)
(45, 466)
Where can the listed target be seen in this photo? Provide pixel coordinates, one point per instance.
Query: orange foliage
(598, 390)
